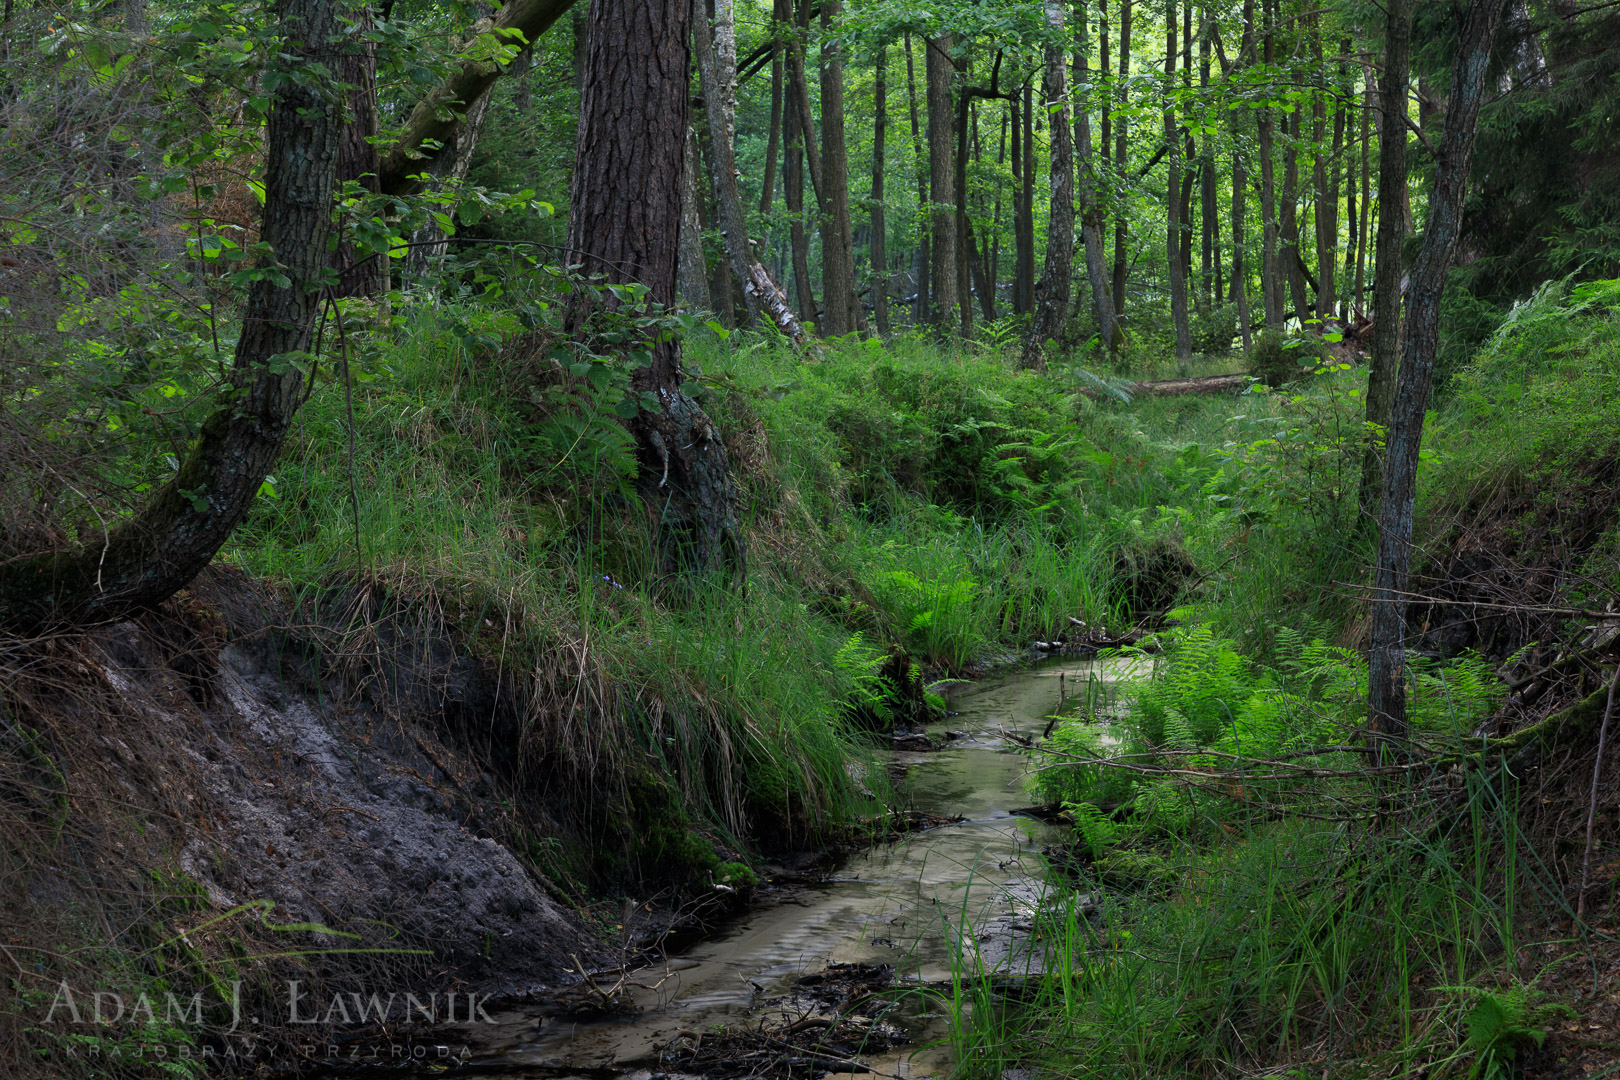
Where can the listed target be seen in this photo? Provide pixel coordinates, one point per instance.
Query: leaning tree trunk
(1386, 343)
(447, 170)
(625, 226)
(941, 182)
(1052, 294)
(717, 76)
(145, 560)
(1386, 687)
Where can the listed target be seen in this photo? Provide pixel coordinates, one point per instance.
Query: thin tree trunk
(781, 14)
(1327, 195)
(793, 194)
(692, 275)
(1052, 293)
(1271, 278)
(964, 245)
(1386, 341)
(1240, 188)
(147, 559)
(716, 52)
(446, 171)
(1366, 184)
(1088, 209)
(1292, 262)
(1209, 283)
(880, 124)
(921, 263)
(1178, 279)
(837, 246)
(1121, 126)
(942, 181)
(1386, 697)
(1026, 219)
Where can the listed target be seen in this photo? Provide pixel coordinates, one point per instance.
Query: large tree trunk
(880, 262)
(717, 77)
(1173, 238)
(358, 159)
(1121, 220)
(1088, 209)
(837, 247)
(145, 560)
(1386, 343)
(942, 181)
(437, 115)
(1052, 294)
(625, 226)
(1386, 688)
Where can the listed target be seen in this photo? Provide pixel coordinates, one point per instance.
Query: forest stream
(898, 904)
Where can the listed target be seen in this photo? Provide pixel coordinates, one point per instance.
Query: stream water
(902, 903)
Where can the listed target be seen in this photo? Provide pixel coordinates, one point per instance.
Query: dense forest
(499, 499)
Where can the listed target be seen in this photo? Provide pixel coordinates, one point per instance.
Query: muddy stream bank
(901, 905)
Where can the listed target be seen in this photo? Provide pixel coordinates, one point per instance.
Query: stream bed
(901, 904)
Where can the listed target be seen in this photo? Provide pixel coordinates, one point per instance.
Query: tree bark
(436, 116)
(717, 78)
(942, 182)
(358, 158)
(1240, 189)
(1026, 206)
(1271, 279)
(447, 169)
(1293, 264)
(1088, 209)
(793, 189)
(625, 227)
(1386, 697)
(1326, 195)
(964, 243)
(148, 558)
(1366, 185)
(1178, 278)
(1386, 343)
(837, 247)
(880, 261)
(1052, 293)
(921, 264)
(1121, 128)
(1209, 281)
(781, 14)
(692, 273)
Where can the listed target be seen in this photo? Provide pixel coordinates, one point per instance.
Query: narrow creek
(902, 903)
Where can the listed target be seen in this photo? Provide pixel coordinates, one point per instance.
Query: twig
(348, 399)
(1591, 808)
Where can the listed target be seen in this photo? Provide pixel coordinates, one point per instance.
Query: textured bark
(436, 116)
(692, 273)
(1240, 189)
(1366, 185)
(1173, 238)
(781, 13)
(880, 262)
(1026, 208)
(1052, 294)
(1121, 223)
(964, 241)
(716, 52)
(1085, 188)
(1386, 696)
(837, 247)
(799, 87)
(1293, 264)
(145, 560)
(625, 227)
(942, 182)
(1392, 209)
(358, 158)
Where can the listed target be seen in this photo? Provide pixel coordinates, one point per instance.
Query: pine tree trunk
(148, 558)
(837, 246)
(625, 226)
(880, 262)
(716, 52)
(1178, 278)
(942, 182)
(1121, 130)
(1386, 696)
(1386, 343)
(1052, 293)
(357, 157)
